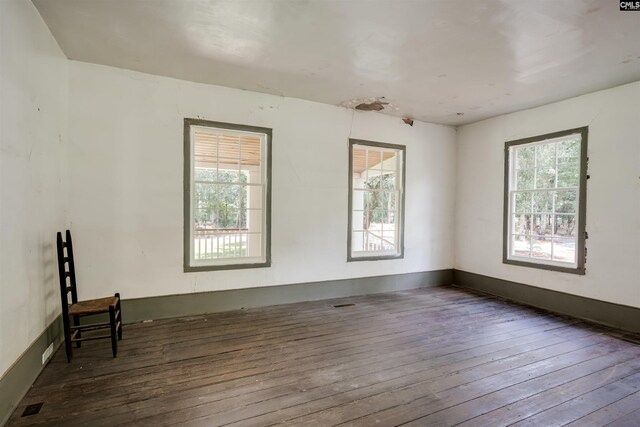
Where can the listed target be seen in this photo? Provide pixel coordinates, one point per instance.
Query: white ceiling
(431, 59)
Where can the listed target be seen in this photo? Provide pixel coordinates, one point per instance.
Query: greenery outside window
(545, 201)
(376, 201)
(227, 196)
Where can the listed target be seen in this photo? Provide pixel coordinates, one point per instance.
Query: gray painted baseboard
(138, 309)
(606, 313)
(15, 383)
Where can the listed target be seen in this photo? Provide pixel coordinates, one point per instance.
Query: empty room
(320, 213)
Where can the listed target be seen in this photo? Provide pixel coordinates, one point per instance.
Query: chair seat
(92, 306)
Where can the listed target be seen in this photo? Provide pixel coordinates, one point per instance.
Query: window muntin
(227, 202)
(376, 201)
(545, 201)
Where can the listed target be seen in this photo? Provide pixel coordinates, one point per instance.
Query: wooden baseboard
(606, 313)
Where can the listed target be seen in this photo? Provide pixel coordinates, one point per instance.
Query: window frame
(187, 203)
(581, 211)
(401, 216)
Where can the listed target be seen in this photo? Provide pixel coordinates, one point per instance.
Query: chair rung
(90, 326)
(99, 337)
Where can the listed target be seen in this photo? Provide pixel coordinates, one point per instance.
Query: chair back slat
(72, 269)
(66, 269)
(63, 276)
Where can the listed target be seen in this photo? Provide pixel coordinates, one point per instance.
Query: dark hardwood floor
(431, 357)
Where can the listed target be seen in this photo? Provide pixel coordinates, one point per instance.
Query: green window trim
(401, 215)
(511, 211)
(187, 206)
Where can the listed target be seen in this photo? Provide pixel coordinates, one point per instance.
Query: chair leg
(67, 337)
(112, 321)
(76, 322)
(119, 310)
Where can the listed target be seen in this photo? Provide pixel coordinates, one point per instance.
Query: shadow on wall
(49, 281)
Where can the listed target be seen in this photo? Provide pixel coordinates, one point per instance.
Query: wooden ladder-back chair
(77, 309)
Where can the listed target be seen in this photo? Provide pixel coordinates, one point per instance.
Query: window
(545, 201)
(227, 196)
(376, 201)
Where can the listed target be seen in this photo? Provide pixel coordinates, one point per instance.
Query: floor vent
(32, 409)
(343, 305)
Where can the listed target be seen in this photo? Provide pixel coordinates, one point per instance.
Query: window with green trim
(545, 201)
(227, 196)
(376, 201)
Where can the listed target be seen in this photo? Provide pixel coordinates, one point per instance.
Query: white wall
(33, 94)
(613, 193)
(126, 186)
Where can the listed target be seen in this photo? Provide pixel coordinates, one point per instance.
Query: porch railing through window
(376, 242)
(220, 243)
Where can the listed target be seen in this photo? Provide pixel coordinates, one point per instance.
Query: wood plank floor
(430, 357)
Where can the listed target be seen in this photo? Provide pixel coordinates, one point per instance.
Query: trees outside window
(545, 201)
(376, 201)
(227, 196)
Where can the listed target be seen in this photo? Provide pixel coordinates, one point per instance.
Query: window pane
(254, 245)
(253, 222)
(389, 200)
(521, 245)
(566, 201)
(228, 206)
(545, 177)
(226, 174)
(204, 199)
(253, 196)
(357, 241)
(545, 155)
(390, 163)
(525, 157)
(543, 202)
(524, 179)
(205, 245)
(542, 226)
(231, 245)
(564, 249)
(374, 180)
(565, 225)
(389, 219)
(250, 150)
(374, 159)
(359, 155)
(519, 224)
(253, 175)
(358, 221)
(205, 174)
(540, 248)
(568, 172)
(522, 202)
(388, 181)
(570, 148)
(358, 181)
